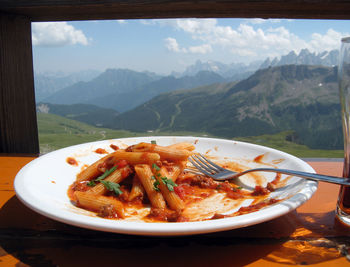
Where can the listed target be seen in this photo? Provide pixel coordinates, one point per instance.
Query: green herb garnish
(103, 176)
(106, 173)
(153, 142)
(112, 187)
(91, 183)
(169, 183)
(155, 185)
(155, 166)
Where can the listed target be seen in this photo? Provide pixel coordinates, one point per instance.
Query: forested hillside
(291, 97)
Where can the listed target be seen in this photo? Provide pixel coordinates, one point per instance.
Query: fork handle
(306, 175)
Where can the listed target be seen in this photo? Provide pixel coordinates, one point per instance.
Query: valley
(57, 132)
(278, 97)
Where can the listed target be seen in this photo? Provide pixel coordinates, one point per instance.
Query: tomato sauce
(101, 151)
(72, 161)
(192, 189)
(114, 147)
(259, 158)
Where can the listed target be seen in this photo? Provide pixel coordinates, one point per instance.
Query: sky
(166, 45)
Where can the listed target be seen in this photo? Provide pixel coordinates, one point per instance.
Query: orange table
(308, 236)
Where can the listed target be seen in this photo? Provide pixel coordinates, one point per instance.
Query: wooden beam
(54, 10)
(18, 124)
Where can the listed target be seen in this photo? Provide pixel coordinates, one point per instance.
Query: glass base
(342, 216)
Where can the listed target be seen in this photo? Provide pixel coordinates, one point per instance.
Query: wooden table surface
(311, 235)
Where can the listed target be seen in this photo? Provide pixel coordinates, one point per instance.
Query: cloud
(56, 34)
(172, 45)
(328, 41)
(200, 49)
(195, 26)
(249, 40)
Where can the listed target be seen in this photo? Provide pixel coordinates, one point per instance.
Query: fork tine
(212, 164)
(199, 159)
(205, 164)
(198, 166)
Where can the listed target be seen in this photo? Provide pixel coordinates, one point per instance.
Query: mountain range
(89, 114)
(49, 83)
(122, 89)
(326, 58)
(239, 71)
(279, 95)
(108, 89)
(290, 97)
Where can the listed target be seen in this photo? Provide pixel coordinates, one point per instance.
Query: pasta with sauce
(149, 182)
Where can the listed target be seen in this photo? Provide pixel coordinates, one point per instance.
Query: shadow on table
(38, 241)
(318, 237)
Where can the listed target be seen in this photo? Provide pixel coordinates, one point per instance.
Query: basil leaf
(153, 142)
(169, 183)
(106, 173)
(91, 183)
(112, 187)
(155, 185)
(155, 166)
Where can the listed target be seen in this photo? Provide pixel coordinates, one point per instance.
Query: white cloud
(56, 34)
(329, 41)
(172, 45)
(200, 49)
(196, 26)
(248, 41)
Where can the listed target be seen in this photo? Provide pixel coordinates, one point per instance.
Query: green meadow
(58, 132)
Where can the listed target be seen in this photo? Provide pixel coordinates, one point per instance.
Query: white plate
(43, 183)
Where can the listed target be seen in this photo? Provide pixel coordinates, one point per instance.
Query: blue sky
(167, 45)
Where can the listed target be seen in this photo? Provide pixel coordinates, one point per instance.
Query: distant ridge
(49, 83)
(86, 113)
(305, 57)
(123, 90)
(106, 89)
(291, 97)
(234, 70)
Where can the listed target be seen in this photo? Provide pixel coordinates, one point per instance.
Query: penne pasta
(165, 153)
(93, 170)
(136, 157)
(177, 170)
(137, 190)
(148, 182)
(145, 174)
(166, 185)
(105, 206)
(115, 177)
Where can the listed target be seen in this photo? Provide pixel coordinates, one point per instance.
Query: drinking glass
(343, 205)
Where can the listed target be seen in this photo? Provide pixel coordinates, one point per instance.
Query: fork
(209, 168)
